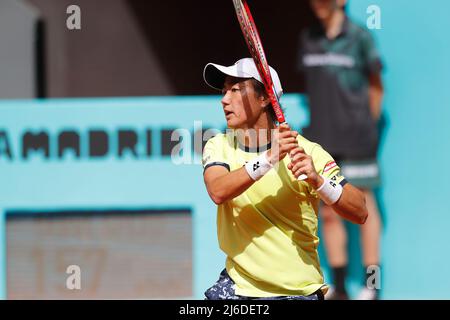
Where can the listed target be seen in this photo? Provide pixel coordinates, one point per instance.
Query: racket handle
(302, 176)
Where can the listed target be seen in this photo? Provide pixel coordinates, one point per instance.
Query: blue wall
(415, 46)
(85, 183)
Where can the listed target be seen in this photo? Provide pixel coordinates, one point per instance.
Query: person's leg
(335, 240)
(370, 239)
(370, 232)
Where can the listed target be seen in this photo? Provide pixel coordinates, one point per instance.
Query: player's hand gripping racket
(256, 49)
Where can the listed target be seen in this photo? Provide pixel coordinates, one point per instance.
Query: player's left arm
(351, 205)
(347, 201)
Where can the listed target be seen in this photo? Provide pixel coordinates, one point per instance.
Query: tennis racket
(256, 49)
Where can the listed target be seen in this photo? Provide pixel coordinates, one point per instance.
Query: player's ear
(264, 101)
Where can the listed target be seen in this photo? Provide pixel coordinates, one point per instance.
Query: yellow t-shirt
(269, 232)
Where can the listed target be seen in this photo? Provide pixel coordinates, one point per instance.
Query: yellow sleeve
(214, 154)
(326, 166)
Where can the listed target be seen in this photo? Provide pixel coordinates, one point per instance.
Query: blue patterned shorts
(224, 289)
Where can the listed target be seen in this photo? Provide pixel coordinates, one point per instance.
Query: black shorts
(223, 289)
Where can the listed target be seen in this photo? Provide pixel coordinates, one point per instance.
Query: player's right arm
(223, 185)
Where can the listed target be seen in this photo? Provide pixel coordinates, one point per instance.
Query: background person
(341, 67)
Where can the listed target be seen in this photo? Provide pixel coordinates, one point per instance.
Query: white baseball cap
(215, 74)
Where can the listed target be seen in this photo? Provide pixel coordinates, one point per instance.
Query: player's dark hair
(260, 90)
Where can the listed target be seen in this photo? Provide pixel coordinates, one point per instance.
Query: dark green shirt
(337, 78)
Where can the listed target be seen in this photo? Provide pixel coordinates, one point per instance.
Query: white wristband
(258, 167)
(329, 191)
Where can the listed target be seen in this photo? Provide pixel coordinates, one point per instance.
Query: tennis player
(267, 219)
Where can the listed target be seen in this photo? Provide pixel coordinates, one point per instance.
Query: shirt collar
(255, 149)
(345, 26)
